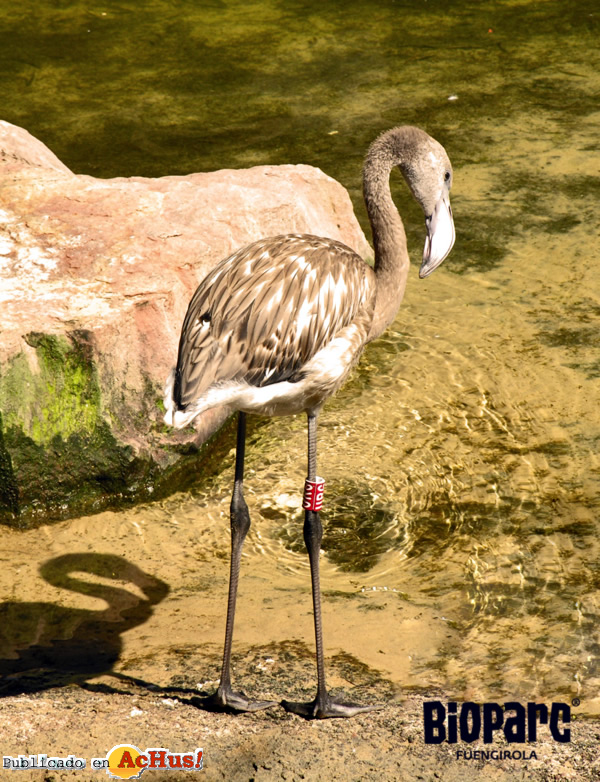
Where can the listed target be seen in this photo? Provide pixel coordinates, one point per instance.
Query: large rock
(95, 278)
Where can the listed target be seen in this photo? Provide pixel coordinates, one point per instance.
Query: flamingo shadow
(45, 645)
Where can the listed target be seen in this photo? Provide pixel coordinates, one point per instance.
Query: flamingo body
(275, 329)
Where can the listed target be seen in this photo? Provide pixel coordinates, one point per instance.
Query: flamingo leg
(225, 699)
(323, 705)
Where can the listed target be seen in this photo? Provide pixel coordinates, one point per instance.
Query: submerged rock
(95, 278)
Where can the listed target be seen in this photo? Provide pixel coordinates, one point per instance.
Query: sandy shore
(89, 720)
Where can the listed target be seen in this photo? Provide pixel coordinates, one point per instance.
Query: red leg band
(313, 494)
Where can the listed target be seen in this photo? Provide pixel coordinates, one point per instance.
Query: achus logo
(128, 762)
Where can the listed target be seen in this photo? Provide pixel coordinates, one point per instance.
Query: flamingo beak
(440, 236)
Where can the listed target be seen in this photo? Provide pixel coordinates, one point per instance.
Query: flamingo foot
(325, 707)
(225, 699)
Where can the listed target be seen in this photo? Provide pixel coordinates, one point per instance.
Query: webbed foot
(325, 707)
(225, 699)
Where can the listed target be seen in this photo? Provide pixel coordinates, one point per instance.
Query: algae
(9, 491)
(61, 398)
(58, 452)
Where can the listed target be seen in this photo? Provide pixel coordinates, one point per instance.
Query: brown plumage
(276, 328)
(265, 311)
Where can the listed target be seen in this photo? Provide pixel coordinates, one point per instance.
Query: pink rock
(104, 269)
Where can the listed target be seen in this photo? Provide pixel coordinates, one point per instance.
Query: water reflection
(358, 527)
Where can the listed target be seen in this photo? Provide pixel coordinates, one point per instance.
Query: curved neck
(389, 238)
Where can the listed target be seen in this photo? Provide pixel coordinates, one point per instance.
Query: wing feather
(265, 311)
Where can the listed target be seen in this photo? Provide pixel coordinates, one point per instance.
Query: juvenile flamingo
(275, 329)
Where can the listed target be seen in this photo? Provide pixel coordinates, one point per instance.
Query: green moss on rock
(9, 492)
(58, 454)
(61, 398)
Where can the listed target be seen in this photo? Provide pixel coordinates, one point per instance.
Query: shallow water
(462, 532)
